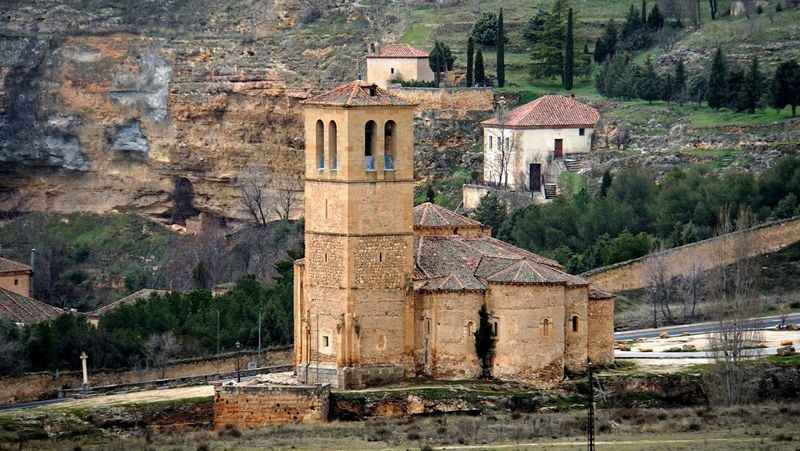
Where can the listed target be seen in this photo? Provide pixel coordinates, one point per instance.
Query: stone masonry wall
(601, 331)
(455, 100)
(246, 407)
(575, 341)
(42, 385)
(711, 253)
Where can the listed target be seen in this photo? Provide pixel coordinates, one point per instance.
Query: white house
(526, 148)
(397, 62)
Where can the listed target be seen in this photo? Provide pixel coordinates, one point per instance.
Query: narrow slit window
(574, 323)
(546, 327)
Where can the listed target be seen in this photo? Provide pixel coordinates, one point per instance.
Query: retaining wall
(704, 255)
(251, 406)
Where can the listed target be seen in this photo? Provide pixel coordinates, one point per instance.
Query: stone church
(388, 290)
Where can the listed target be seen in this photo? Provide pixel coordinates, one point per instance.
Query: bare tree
(206, 249)
(502, 150)
(662, 288)
(692, 289)
(736, 307)
(286, 198)
(160, 349)
(252, 187)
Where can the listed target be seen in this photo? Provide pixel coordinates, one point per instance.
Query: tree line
(628, 214)
(150, 332)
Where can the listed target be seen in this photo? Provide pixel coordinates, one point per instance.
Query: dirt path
(168, 394)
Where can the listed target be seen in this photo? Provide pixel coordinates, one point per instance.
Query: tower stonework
(351, 299)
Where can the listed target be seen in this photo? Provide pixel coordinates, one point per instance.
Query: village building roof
(357, 93)
(10, 266)
(399, 51)
(453, 261)
(132, 298)
(17, 308)
(595, 293)
(550, 111)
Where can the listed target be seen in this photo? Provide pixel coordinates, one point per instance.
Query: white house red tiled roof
(552, 111)
(400, 51)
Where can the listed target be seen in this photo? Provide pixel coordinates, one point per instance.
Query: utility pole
(218, 350)
(33, 271)
(238, 368)
(259, 336)
(317, 381)
(590, 422)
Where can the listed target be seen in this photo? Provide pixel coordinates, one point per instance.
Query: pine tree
(569, 55)
(717, 85)
(547, 57)
(644, 13)
(607, 44)
(501, 46)
(491, 212)
(470, 62)
(786, 86)
(649, 85)
(480, 75)
(633, 23)
(605, 183)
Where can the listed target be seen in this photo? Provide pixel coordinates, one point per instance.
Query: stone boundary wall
(46, 385)
(252, 406)
(472, 195)
(708, 254)
(458, 101)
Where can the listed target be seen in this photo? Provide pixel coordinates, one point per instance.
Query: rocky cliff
(157, 106)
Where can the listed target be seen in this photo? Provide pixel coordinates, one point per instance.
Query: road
(698, 328)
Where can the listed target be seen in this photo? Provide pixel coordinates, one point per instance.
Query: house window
(390, 145)
(332, 145)
(369, 145)
(574, 323)
(325, 341)
(508, 143)
(393, 70)
(320, 144)
(491, 139)
(581, 131)
(546, 327)
(16, 281)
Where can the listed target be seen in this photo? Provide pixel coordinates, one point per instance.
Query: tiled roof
(129, 299)
(551, 111)
(7, 265)
(432, 215)
(22, 309)
(594, 293)
(400, 51)
(357, 93)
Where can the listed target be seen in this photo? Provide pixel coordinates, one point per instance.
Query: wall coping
(665, 252)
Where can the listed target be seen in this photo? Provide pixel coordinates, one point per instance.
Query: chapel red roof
(399, 51)
(7, 265)
(17, 308)
(357, 93)
(551, 111)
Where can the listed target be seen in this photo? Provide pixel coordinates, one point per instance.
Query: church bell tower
(352, 290)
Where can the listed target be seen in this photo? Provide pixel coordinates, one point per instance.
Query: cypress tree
(786, 86)
(501, 50)
(484, 342)
(679, 82)
(480, 75)
(569, 55)
(644, 13)
(752, 90)
(607, 44)
(717, 85)
(656, 19)
(470, 62)
(649, 85)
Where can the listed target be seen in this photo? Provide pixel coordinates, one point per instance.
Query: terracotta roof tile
(7, 265)
(399, 51)
(594, 293)
(432, 215)
(22, 309)
(357, 93)
(551, 111)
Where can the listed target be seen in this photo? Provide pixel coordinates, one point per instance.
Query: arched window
(491, 140)
(574, 323)
(470, 329)
(320, 143)
(332, 149)
(546, 327)
(389, 145)
(369, 145)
